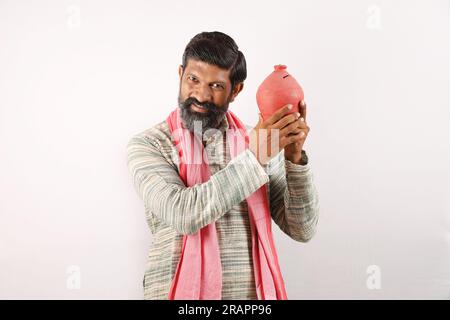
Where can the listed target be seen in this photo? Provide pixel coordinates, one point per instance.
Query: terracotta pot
(277, 90)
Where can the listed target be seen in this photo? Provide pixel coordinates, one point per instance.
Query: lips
(198, 108)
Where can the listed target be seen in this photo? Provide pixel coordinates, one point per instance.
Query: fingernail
(301, 119)
(289, 106)
(297, 114)
(303, 103)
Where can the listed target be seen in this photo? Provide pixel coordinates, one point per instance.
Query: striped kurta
(173, 210)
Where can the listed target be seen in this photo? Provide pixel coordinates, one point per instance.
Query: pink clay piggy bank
(277, 90)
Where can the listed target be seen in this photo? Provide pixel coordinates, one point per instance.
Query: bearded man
(211, 189)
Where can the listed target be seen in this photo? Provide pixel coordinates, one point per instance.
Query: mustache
(207, 105)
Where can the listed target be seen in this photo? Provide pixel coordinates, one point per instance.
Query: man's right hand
(269, 137)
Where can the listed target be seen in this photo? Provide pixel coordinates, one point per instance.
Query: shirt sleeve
(188, 209)
(294, 200)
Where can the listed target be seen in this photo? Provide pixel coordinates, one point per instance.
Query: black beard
(210, 119)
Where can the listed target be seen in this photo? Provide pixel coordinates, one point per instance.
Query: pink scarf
(199, 272)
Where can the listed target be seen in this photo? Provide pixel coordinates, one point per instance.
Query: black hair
(217, 48)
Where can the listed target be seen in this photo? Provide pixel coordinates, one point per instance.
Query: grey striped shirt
(172, 209)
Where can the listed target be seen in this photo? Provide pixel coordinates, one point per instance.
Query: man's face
(204, 96)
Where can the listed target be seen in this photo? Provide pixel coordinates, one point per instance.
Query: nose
(203, 94)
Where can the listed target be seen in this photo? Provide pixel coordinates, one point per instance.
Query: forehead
(206, 71)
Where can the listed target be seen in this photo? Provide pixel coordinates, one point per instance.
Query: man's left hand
(293, 151)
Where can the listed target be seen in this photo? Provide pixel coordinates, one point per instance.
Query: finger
(279, 114)
(293, 138)
(291, 128)
(302, 123)
(302, 108)
(286, 120)
(298, 129)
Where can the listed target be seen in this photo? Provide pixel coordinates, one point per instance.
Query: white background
(79, 78)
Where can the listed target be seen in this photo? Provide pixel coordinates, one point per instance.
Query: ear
(237, 88)
(180, 71)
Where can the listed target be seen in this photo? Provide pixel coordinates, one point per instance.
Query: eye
(218, 85)
(192, 78)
